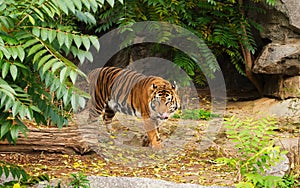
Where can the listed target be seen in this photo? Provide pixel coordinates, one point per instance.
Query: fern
(218, 23)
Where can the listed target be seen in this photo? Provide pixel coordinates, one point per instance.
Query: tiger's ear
(174, 85)
(154, 86)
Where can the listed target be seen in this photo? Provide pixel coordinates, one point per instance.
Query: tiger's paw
(157, 146)
(145, 141)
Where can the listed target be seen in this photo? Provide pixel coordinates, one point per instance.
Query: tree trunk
(248, 57)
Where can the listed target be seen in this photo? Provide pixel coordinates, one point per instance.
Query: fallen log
(79, 138)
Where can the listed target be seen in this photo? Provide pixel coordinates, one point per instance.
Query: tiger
(151, 98)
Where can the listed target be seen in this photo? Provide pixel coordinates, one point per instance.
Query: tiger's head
(163, 101)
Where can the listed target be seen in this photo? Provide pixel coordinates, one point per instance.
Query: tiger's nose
(164, 115)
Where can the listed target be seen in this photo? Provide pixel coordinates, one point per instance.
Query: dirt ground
(182, 160)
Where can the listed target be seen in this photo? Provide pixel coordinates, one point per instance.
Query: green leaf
(48, 65)
(22, 111)
(5, 51)
(43, 60)
(47, 10)
(9, 94)
(21, 53)
(94, 5)
(91, 19)
(14, 52)
(5, 128)
(78, 4)
(38, 14)
(44, 34)
(36, 31)
(51, 35)
(86, 4)
(81, 102)
(29, 113)
(16, 108)
(95, 42)
(73, 76)
(69, 39)
(61, 91)
(56, 83)
(111, 2)
(1, 171)
(38, 55)
(86, 42)
(77, 40)
(71, 6)
(61, 37)
(5, 69)
(6, 171)
(64, 73)
(14, 132)
(62, 6)
(30, 43)
(75, 101)
(34, 108)
(14, 71)
(35, 49)
(67, 97)
(56, 65)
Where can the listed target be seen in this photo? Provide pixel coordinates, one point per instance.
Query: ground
(181, 161)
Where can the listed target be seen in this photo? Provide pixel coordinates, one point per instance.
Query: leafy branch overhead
(223, 25)
(37, 79)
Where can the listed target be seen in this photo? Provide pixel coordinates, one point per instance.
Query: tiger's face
(164, 100)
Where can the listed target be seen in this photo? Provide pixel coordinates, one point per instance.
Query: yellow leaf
(16, 185)
(31, 19)
(76, 165)
(157, 175)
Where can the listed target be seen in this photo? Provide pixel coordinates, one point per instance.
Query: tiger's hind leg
(107, 116)
(93, 113)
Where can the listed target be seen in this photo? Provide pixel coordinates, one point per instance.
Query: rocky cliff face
(279, 61)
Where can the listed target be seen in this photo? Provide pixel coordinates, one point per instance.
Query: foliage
(221, 24)
(37, 39)
(195, 114)
(257, 152)
(20, 174)
(79, 180)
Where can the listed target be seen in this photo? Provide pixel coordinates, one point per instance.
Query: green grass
(195, 114)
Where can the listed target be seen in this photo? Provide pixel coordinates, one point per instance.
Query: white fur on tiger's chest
(125, 109)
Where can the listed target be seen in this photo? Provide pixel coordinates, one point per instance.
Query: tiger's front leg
(152, 132)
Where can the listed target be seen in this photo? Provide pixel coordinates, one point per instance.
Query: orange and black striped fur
(120, 90)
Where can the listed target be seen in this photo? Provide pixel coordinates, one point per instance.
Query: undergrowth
(257, 152)
(20, 178)
(195, 114)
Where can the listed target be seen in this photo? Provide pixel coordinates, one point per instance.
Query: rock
(280, 168)
(121, 182)
(289, 108)
(98, 182)
(292, 9)
(278, 58)
(281, 21)
(286, 109)
(281, 64)
(282, 87)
